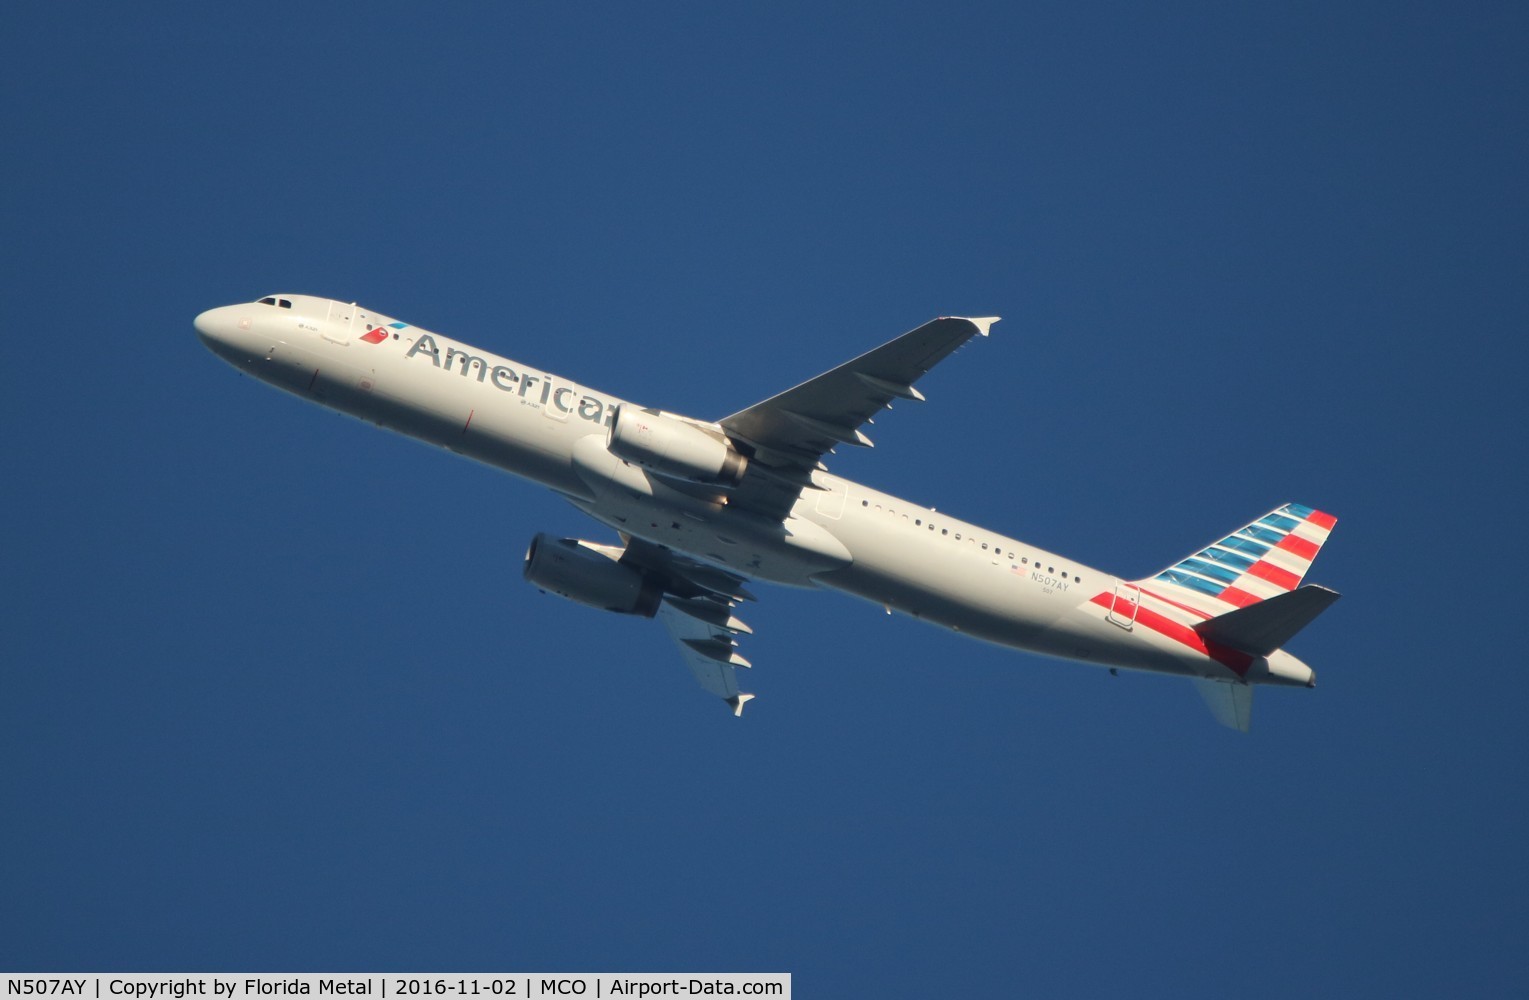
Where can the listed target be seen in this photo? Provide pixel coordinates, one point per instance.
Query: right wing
(705, 639)
(697, 609)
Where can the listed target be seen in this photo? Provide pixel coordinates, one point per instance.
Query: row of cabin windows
(282, 303)
(1023, 560)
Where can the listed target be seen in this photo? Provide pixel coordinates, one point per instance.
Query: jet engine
(672, 447)
(590, 574)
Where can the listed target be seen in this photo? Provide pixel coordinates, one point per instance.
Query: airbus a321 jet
(702, 506)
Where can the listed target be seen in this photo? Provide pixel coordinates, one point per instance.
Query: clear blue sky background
(273, 695)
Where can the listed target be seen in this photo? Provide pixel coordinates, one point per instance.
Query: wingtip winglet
(983, 323)
(737, 702)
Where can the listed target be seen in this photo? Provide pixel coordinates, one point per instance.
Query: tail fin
(1248, 589)
(1256, 562)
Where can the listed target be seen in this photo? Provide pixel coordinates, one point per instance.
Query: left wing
(788, 434)
(697, 609)
(785, 437)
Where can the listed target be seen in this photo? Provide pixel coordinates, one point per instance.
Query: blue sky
(273, 694)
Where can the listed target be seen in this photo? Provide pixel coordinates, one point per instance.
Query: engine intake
(672, 447)
(589, 574)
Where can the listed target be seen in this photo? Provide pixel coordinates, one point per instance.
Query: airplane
(702, 507)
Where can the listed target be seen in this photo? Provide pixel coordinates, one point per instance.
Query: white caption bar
(393, 985)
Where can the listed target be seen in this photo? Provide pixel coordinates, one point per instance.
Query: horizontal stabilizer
(1231, 704)
(1262, 628)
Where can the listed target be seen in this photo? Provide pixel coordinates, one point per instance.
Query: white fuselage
(843, 535)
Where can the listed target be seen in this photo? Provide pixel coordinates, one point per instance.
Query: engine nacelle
(589, 574)
(671, 447)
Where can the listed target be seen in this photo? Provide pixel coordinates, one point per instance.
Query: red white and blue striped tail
(1254, 563)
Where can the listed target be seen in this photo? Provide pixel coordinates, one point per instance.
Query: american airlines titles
(537, 387)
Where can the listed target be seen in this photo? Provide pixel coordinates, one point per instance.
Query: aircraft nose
(226, 332)
(212, 325)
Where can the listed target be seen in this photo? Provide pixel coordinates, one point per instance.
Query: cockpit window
(268, 301)
(273, 301)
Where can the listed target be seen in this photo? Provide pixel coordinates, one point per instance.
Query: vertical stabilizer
(1258, 561)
